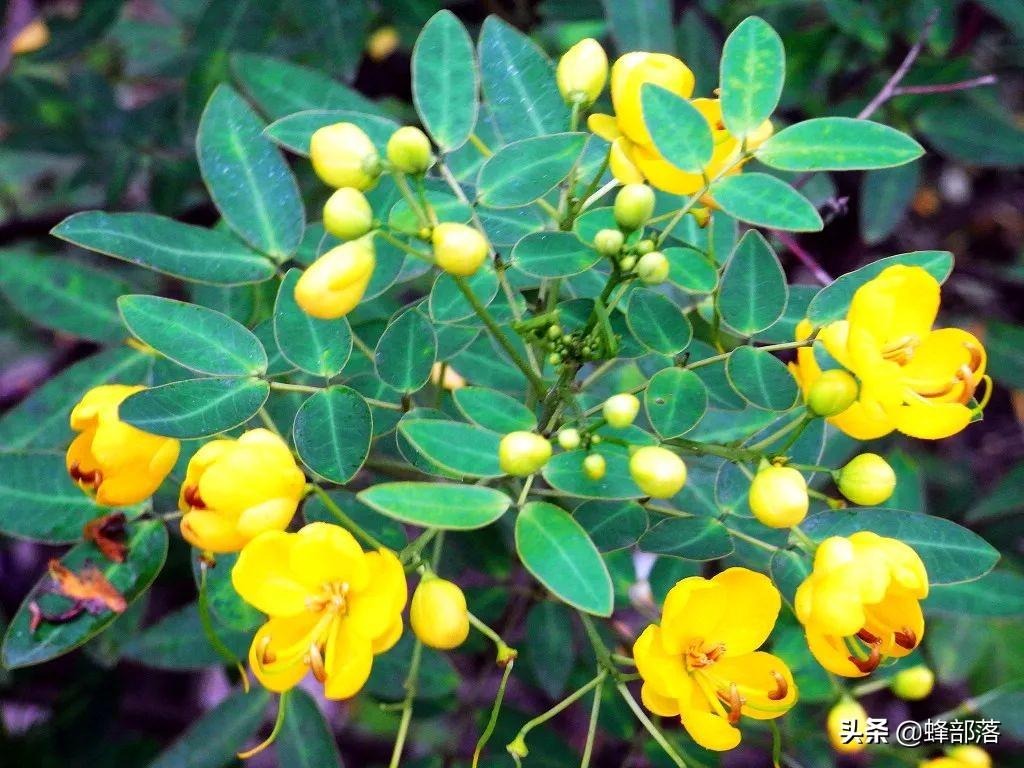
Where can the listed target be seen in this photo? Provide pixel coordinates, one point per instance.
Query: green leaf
(979, 134)
(766, 201)
(524, 171)
(753, 293)
(282, 88)
(560, 555)
(761, 379)
(147, 550)
(448, 305)
(675, 400)
(460, 448)
(226, 605)
(248, 179)
(437, 505)
(564, 472)
(658, 323)
(295, 131)
(214, 739)
(838, 144)
(332, 433)
(833, 301)
(195, 407)
(494, 410)
(198, 338)
(437, 679)
(553, 254)
(177, 642)
(41, 419)
(640, 25)
(884, 198)
(689, 538)
(788, 568)
(167, 246)
(691, 270)
(680, 133)
(612, 525)
(445, 80)
(997, 593)
(951, 554)
(519, 83)
(1005, 345)
(406, 352)
(306, 740)
(389, 532)
(64, 295)
(1003, 500)
(38, 500)
(549, 654)
(319, 347)
(752, 72)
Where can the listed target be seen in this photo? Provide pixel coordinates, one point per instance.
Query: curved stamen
(870, 664)
(316, 662)
(733, 701)
(781, 687)
(906, 638)
(192, 497)
(966, 375)
(976, 354)
(867, 637)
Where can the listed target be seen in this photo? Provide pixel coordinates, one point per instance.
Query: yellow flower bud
(438, 614)
(970, 756)
(867, 480)
(633, 206)
(347, 214)
(833, 392)
(914, 684)
(335, 283)
(113, 461)
(620, 410)
(659, 472)
(343, 156)
(458, 249)
(32, 37)
(846, 724)
(608, 242)
(594, 466)
(382, 43)
(778, 497)
(569, 439)
(652, 269)
(409, 150)
(523, 453)
(582, 72)
(235, 490)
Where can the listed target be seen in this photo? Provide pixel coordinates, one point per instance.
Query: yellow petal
(932, 422)
(837, 607)
(663, 175)
(283, 634)
(940, 356)
(901, 302)
(264, 578)
(100, 401)
(634, 70)
(387, 641)
(664, 672)
(621, 163)
(663, 706)
(754, 673)
(709, 729)
(323, 552)
(831, 653)
(271, 515)
(894, 614)
(752, 605)
(348, 660)
(604, 126)
(692, 609)
(372, 610)
(211, 531)
(864, 421)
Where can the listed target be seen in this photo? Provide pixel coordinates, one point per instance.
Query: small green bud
(627, 263)
(914, 684)
(645, 246)
(347, 214)
(633, 206)
(832, 393)
(409, 150)
(555, 359)
(867, 480)
(594, 466)
(609, 241)
(554, 331)
(653, 268)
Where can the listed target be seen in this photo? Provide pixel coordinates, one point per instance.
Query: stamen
(900, 351)
(264, 654)
(316, 663)
(906, 638)
(734, 702)
(91, 479)
(870, 664)
(781, 687)
(976, 354)
(867, 637)
(936, 390)
(192, 497)
(966, 375)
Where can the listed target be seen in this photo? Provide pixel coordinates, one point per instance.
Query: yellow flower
(845, 726)
(335, 283)
(702, 664)
(438, 614)
(912, 378)
(861, 603)
(582, 72)
(235, 490)
(331, 606)
(633, 154)
(111, 460)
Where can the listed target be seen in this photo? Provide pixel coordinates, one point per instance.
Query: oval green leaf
(437, 505)
(306, 740)
(460, 448)
(680, 133)
(753, 293)
(688, 538)
(761, 379)
(690, 270)
(195, 407)
(524, 171)
(332, 433)
(445, 80)
(675, 400)
(838, 144)
(766, 201)
(752, 72)
(198, 338)
(167, 246)
(612, 525)
(248, 179)
(553, 254)
(658, 323)
(560, 555)
(565, 473)
(319, 347)
(406, 351)
(494, 410)
(447, 303)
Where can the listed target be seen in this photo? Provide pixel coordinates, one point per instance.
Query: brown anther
(870, 664)
(976, 354)
(716, 653)
(192, 497)
(92, 479)
(900, 351)
(966, 375)
(867, 637)
(316, 663)
(735, 704)
(264, 654)
(906, 638)
(781, 687)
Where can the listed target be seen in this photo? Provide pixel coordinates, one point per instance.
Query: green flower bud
(594, 466)
(914, 684)
(653, 268)
(832, 393)
(645, 246)
(569, 439)
(609, 241)
(633, 206)
(347, 214)
(627, 263)
(867, 480)
(523, 453)
(409, 150)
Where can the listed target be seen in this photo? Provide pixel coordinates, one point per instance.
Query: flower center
(192, 497)
(85, 479)
(901, 351)
(866, 647)
(332, 597)
(698, 658)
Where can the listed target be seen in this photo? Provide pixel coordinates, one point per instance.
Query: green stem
(595, 711)
(268, 422)
(767, 348)
(206, 620)
(410, 694)
(796, 424)
(410, 200)
(285, 387)
(505, 651)
(803, 538)
(649, 725)
(565, 703)
(482, 148)
(499, 336)
(489, 730)
(344, 519)
(282, 702)
(404, 246)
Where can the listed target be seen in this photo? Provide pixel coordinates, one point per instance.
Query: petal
(271, 515)
(864, 421)
(211, 531)
(709, 729)
(940, 356)
(621, 163)
(901, 302)
(663, 706)
(754, 673)
(692, 609)
(663, 175)
(348, 660)
(664, 672)
(893, 614)
(101, 401)
(372, 610)
(832, 653)
(264, 578)
(630, 73)
(283, 633)
(837, 608)
(604, 126)
(387, 641)
(932, 421)
(752, 605)
(324, 552)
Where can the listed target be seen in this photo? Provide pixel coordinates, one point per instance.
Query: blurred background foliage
(100, 109)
